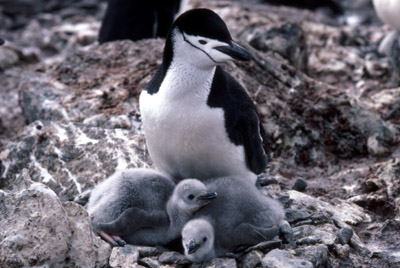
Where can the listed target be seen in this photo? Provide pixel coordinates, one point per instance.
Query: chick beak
(192, 246)
(207, 197)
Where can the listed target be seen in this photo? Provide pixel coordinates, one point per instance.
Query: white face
(198, 50)
(198, 232)
(187, 193)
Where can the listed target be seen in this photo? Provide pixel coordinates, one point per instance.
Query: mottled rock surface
(38, 229)
(69, 118)
(70, 157)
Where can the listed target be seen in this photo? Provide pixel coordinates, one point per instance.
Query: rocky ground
(70, 118)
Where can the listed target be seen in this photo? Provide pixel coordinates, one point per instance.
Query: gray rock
(342, 210)
(149, 251)
(321, 217)
(173, 258)
(294, 215)
(40, 100)
(120, 121)
(310, 234)
(97, 120)
(62, 231)
(263, 180)
(150, 262)
(310, 240)
(83, 88)
(317, 255)
(251, 259)
(287, 40)
(71, 158)
(278, 258)
(359, 247)
(266, 246)
(299, 185)
(8, 58)
(124, 257)
(344, 235)
(342, 251)
(86, 249)
(220, 263)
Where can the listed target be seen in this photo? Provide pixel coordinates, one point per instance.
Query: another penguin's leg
(395, 59)
(248, 234)
(390, 47)
(386, 43)
(133, 219)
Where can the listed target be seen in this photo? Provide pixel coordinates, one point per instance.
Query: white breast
(389, 12)
(185, 137)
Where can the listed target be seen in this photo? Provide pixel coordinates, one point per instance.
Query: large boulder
(38, 229)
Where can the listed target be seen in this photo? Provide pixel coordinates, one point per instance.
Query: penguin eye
(191, 197)
(204, 239)
(203, 42)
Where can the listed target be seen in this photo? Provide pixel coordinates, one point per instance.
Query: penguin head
(200, 37)
(198, 240)
(191, 194)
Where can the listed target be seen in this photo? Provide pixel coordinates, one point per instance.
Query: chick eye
(203, 42)
(191, 197)
(204, 239)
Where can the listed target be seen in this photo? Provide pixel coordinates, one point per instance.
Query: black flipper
(253, 142)
(242, 122)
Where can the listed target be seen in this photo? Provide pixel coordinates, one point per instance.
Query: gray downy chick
(128, 201)
(132, 206)
(241, 215)
(189, 196)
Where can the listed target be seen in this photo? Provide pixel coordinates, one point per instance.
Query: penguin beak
(206, 197)
(235, 51)
(192, 246)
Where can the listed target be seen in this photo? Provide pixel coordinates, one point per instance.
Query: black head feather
(203, 22)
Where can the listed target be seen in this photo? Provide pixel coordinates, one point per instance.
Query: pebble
(266, 246)
(342, 251)
(311, 240)
(278, 258)
(264, 180)
(150, 262)
(344, 235)
(252, 259)
(124, 256)
(296, 215)
(173, 258)
(300, 185)
(219, 263)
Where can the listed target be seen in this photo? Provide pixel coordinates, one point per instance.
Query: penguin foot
(113, 240)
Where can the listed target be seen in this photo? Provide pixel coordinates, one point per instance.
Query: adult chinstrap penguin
(198, 120)
(144, 207)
